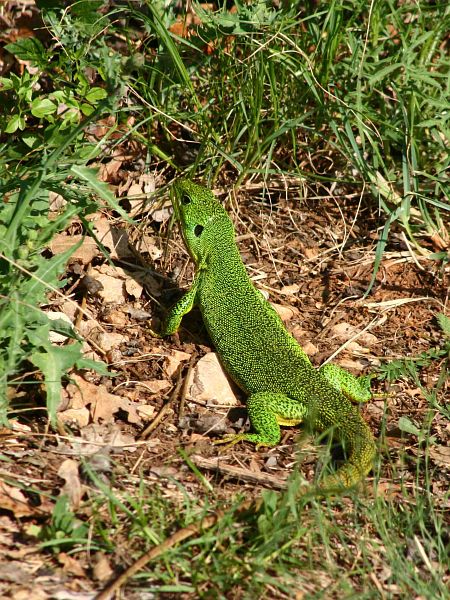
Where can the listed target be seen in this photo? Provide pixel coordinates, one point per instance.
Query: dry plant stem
(157, 420)
(215, 464)
(171, 541)
(184, 388)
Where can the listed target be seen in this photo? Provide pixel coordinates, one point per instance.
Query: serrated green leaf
(53, 362)
(96, 93)
(6, 84)
(101, 188)
(29, 48)
(382, 73)
(444, 323)
(16, 122)
(94, 365)
(40, 107)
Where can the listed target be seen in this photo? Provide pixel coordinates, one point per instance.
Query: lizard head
(204, 222)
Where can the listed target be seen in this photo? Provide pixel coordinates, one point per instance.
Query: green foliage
(42, 137)
(64, 532)
(365, 85)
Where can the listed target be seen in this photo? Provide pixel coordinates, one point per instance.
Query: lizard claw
(230, 439)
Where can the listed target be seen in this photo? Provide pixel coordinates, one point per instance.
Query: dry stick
(178, 536)
(215, 464)
(186, 382)
(157, 420)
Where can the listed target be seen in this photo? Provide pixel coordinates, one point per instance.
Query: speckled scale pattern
(255, 347)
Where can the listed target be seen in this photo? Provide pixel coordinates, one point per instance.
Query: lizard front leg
(184, 305)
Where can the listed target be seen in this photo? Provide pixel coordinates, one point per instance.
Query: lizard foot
(230, 439)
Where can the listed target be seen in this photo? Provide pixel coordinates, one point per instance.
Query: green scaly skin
(255, 348)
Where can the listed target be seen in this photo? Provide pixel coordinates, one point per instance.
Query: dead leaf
(162, 214)
(96, 439)
(13, 572)
(71, 565)
(345, 331)
(116, 317)
(113, 287)
(55, 203)
(351, 365)
(310, 349)
(290, 290)
(108, 171)
(84, 253)
(285, 312)
(72, 487)
(103, 404)
(115, 239)
(107, 341)
(75, 416)
(13, 499)
(173, 360)
(147, 244)
(133, 287)
(102, 567)
(146, 411)
(440, 455)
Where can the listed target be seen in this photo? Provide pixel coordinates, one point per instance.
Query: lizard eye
(185, 199)
(198, 230)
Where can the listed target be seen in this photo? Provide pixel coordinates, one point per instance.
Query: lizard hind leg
(267, 411)
(356, 389)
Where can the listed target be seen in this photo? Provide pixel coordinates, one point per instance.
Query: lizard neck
(225, 263)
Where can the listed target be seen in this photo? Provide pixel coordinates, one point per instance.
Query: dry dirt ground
(312, 250)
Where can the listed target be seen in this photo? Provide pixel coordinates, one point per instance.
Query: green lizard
(256, 349)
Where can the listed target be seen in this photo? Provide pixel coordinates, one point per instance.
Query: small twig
(159, 417)
(178, 536)
(184, 388)
(215, 464)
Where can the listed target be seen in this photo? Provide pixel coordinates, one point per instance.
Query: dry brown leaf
(102, 567)
(115, 239)
(173, 360)
(290, 290)
(13, 499)
(56, 202)
(39, 593)
(146, 411)
(148, 244)
(354, 366)
(345, 331)
(440, 455)
(116, 317)
(99, 439)
(75, 416)
(310, 349)
(285, 312)
(71, 565)
(108, 171)
(72, 486)
(133, 287)
(85, 253)
(103, 404)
